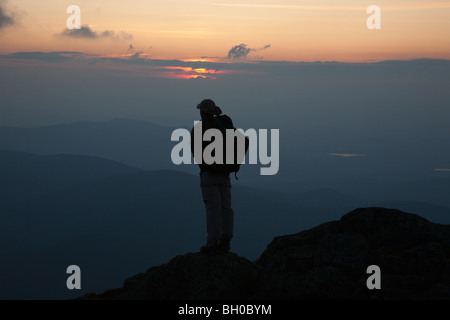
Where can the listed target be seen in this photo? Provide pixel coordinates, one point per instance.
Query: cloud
(241, 51)
(347, 155)
(6, 19)
(135, 53)
(85, 32)
(116, 36)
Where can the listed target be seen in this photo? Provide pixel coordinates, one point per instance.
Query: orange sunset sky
(307, 30)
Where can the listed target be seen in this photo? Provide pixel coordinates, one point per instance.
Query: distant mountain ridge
(23, 172)
(307, 166)
(134, 142)
(107, 216)
(57, 209)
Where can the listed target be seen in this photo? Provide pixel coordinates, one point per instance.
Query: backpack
(224, 122)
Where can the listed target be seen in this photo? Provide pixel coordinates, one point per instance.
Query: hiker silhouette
(215, 180)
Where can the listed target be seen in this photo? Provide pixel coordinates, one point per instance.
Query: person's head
(208, 108)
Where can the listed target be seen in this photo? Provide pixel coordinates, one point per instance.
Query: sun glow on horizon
(189, 72)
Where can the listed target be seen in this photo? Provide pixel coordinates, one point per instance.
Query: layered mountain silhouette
(26, 174)
(393, 168)
(114, 220)
(133, 142)
(329, 261)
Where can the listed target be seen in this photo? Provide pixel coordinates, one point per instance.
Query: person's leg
(213, 204)
(227, 214)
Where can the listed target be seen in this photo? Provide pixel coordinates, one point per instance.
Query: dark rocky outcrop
(191, 276)
(326, 262)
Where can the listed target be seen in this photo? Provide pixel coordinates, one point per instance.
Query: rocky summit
(329, 261)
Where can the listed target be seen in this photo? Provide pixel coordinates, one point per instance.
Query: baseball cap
(208, 106)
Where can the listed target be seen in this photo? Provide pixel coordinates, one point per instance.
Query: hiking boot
(224, 245)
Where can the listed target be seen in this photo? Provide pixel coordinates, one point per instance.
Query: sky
(311, 69)
(363, 111)
(307, 30)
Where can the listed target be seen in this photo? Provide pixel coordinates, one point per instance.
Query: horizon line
(202, 59)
